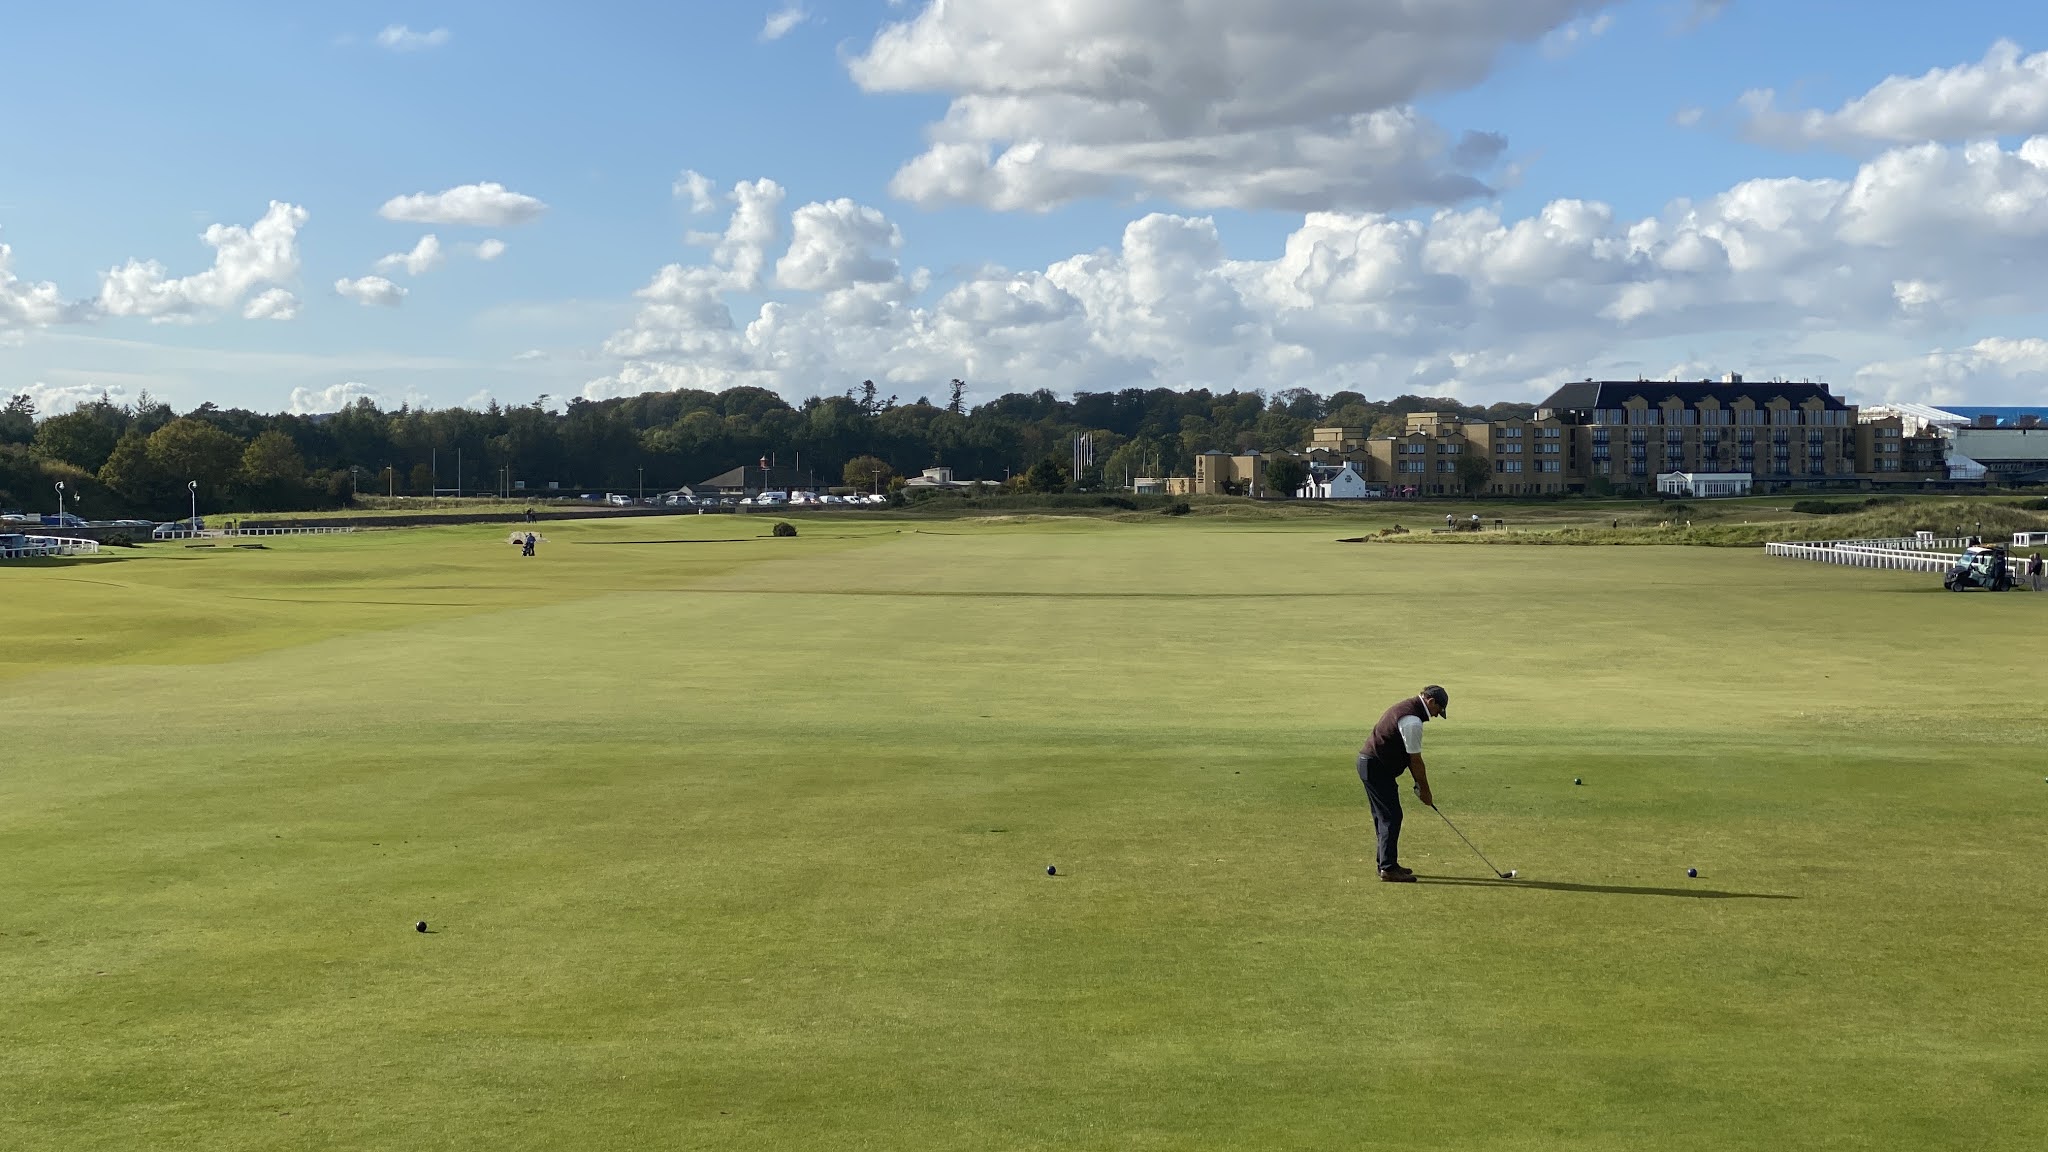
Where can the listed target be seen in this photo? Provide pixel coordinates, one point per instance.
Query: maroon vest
(1385, 746)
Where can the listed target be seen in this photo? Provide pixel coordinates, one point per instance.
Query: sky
(455, 203)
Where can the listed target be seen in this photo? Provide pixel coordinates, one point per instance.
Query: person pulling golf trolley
(1394, 747)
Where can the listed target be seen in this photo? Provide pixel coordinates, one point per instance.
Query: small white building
(1700, 485)
(1340, 484)
(940, 479)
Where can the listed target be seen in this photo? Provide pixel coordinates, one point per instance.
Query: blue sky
(137, 128)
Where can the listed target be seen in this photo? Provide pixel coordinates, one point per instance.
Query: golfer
(1394, 747)
(2034, 571)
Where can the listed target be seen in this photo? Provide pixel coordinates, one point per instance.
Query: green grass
(741, 844)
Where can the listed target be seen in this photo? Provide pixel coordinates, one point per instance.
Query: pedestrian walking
(2035, 574)
(530, 542)
(1394, 747)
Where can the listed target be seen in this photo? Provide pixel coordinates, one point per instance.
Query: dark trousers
(1383, 792)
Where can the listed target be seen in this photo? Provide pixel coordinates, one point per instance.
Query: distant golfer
(2034, 571)
(1394, 747)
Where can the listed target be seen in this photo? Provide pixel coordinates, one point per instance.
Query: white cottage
(1345, 483)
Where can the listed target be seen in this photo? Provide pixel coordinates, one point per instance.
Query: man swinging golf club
(1394, 747)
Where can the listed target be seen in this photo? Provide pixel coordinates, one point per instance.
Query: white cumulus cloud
(57, 399)
(697, 190)
(371, 291)
(834, 246)
(266, 253)
(333, 398)
(1301, 104)
(488, 250)
(477, 205)
(29, 305)
(399, 38)
(782, 22)
(1995, 370)
(274, 304)
(424, 257)
(1769, 274)
(2004, 94)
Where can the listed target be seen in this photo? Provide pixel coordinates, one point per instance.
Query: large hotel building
(1622, 436)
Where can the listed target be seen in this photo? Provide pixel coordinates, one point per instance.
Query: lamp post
(60, 504)
(352, 470)
(192, 486)
(877, 474)
(643, 484)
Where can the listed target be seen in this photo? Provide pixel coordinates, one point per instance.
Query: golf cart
(1981, 566)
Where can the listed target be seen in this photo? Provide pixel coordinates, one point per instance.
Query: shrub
(1177, 508)
(1839, 507)
(784, 528)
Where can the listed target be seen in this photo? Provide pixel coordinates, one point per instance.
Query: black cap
(1442, 698)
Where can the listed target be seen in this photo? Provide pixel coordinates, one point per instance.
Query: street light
(192, 486)
(60, 503)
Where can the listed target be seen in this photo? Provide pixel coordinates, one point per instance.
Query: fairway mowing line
(717, 540)
(934, 593)
(367, 603)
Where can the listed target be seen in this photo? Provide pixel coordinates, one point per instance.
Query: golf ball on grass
(1514, 872)
(1692, 873)
(1576, 780)
(420, 927)
(1052, 870)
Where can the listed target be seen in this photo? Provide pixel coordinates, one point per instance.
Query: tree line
(136, 459)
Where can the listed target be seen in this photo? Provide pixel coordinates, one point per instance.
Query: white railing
(1866, 554)
(33, 546)
(1901, 543)
(178, 532)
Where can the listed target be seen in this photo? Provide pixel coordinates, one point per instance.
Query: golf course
(729, 841)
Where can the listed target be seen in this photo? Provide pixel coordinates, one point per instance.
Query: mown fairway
(742, 845)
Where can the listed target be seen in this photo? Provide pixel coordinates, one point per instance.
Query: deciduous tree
(1285, 475)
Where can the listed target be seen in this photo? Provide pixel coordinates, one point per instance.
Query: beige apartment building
(1620, 435)
(1219, 473)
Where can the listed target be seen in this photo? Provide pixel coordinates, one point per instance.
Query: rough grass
(740, 844)
(1704, 523)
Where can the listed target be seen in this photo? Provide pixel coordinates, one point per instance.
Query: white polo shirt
(1411, 731)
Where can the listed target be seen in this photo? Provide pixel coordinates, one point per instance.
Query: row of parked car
(24, 520)
(771, 500)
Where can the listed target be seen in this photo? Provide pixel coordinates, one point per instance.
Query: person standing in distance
(1394, 747)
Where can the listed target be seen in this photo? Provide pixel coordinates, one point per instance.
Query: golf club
(1508, 875)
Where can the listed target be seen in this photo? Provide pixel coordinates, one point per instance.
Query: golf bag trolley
(1981, 566)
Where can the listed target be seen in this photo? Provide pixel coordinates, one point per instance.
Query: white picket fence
(34, 546)
(1897, 559)
(177, 532)
(1900, 554)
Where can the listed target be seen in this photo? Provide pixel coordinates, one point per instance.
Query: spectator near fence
(2034, 572)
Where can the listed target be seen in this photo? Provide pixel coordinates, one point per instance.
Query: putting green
(740, 843)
